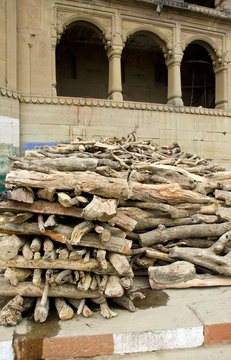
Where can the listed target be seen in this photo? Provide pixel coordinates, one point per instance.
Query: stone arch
(144, 71)
(98, 23)
(165, 42)
(197, 74)
(205, 42)
(81, 61)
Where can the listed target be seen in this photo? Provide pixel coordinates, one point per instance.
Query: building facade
(108, 67)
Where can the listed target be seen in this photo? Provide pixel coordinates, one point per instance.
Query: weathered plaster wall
(206, 132)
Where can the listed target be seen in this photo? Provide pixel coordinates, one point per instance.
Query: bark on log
(14, 275)
(47, 194)
(96, 184)
(9, 246)
(123, 221)
(91, 265)
(79, 231)
(125, 303)
(41, 207)
(182, 232)
(179, 276)
(64, 311)
(120, 263)
(207, 258)
(100, 209)
(21, 194)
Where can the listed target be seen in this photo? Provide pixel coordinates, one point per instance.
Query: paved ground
(170, 319)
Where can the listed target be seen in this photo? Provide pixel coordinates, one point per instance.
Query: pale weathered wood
(113, 287)
(14, 275)
(27, 252)
(182, 232)
(120, 263)
(182, 276)
(91, 265)
(36, 244)
(79, 231)
(43, 207)
(22, 194)
(124, 302)
(123, 221)
(64, 311)
(47, 193)
(208, 258)
(11, 313)
(100, 209)
(37, 277)
(10, 246)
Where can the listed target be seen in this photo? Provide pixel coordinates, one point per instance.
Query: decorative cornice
(78, 101)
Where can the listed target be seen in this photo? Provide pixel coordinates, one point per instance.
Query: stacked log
(78, 221)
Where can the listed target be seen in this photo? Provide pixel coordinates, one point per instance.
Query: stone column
(115, 82)
(174, 80)
(53, 66)
(221, 86)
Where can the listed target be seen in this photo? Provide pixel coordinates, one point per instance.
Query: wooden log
(224, 213)
(27, 252)
(50, 221)
(63, 253)
(11, 313)
(60, 278)
(179, 277)
(125, 303)
(41, 223)
(91, 265)
(14, 218)
(126, 282)
(113, 287)
(27, 289)
(66, 201)
(100, 209)
(37, 255)
(35, 244)
(48, 245)
(77, 254)
(182, 232)
(10, 246)
(123, 221)
(62, 234)
(64, 311)
(43, 207)
(152, 253)
(37, 277)
(14, 275)
(47, 194)
(86, 312)
(103, 284)
(208, 258)
(79, 231)
(101, 257)
(22, 194)
(72, 163)
(42, 306)
(106, 312)
(120, 263)
(112, 187)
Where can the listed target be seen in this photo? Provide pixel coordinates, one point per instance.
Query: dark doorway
(207, 3)
(144, 72)
(197, 77)
(81, 62)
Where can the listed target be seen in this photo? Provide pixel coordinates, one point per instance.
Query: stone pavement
(173, 319)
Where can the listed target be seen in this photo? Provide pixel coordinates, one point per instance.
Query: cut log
(126, 282)
(120, 263)
(79, 231)
(182, 232)
(63, 253)
(47, 194)
(48, 245)
(41, 223)
(37, 277)
(14, 218)
(181, 275)
(106, 312)
(100, 209)
(91, 265)
(207, 258)
(64, 311)
(35, 244)
(113, 287)
(10, 246)
(27, 252)
(123, 221)
(101, 257)
(43, 207)
(14, 275)
(125, 303)
(86, 312)
(50, 221)
(28, 289)
(11, 313)
(66, 201)
(22, 194)
(42, 306)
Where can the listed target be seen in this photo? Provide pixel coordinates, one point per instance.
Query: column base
(116, 95)
(176, 102)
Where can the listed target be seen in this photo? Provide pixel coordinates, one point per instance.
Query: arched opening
(144, 72)
(197, 77)
(81, 62)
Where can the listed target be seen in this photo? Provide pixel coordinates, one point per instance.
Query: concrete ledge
(181, 322)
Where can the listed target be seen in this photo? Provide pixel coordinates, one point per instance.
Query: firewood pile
(80, 222)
